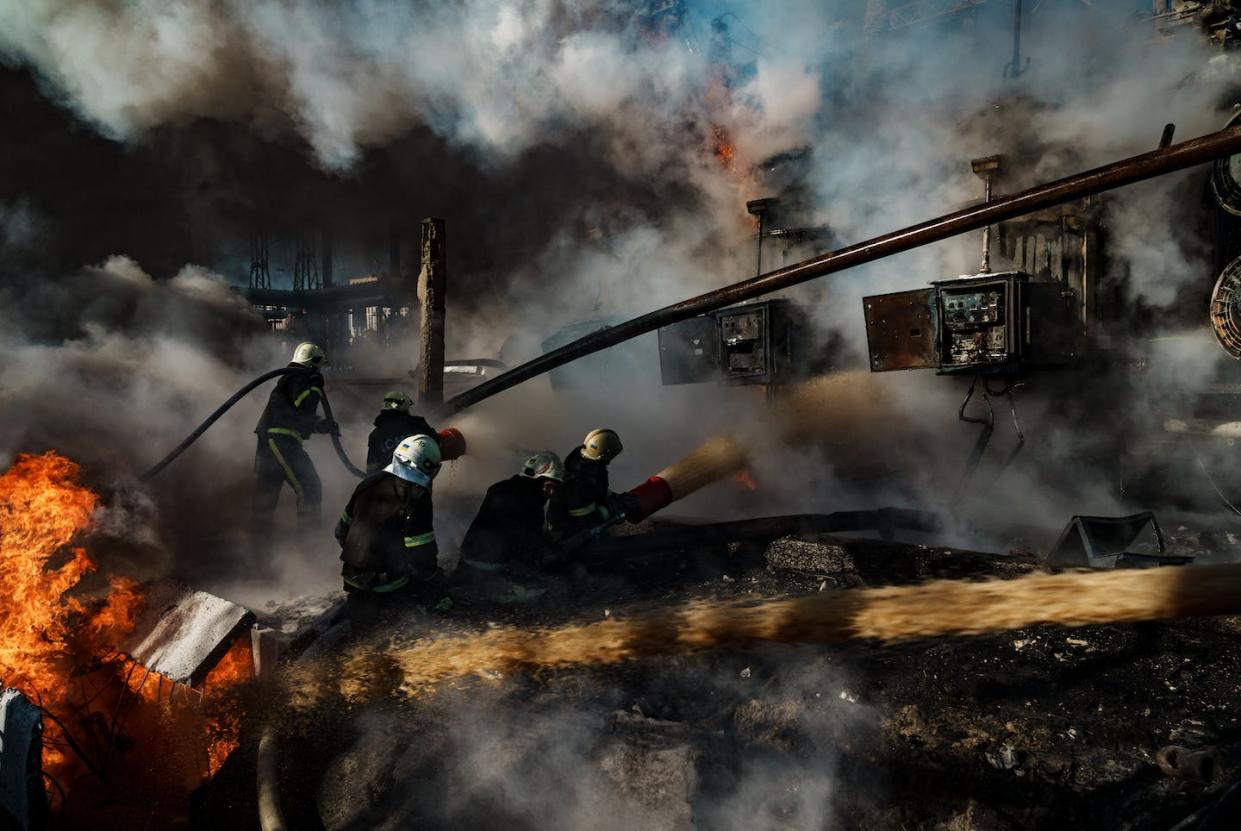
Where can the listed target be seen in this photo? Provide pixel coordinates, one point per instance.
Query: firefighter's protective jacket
(582, 501)
(386, 534)
(509, 524)
(292, 407)
(391, 428)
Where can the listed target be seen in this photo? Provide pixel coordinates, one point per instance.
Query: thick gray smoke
(595, 752)
(593, 159)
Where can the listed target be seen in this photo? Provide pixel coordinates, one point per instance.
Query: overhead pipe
(1128, 171)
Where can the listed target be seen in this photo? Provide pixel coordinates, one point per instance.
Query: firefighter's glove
(326, 425)
(626, 505)
(631, 506)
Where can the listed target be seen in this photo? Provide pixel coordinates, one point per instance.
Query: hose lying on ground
(227, 405)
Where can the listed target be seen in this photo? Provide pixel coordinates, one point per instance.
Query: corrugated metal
(182, 633)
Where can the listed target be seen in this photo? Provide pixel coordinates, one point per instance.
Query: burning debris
(114, 692)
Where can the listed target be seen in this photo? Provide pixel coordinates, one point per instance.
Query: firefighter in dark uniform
(393, 424)
(585, 501)
(387, 535)
(291, 417)
(509, 529)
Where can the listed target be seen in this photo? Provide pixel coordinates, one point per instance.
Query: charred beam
(432, 285)
(1150, 165)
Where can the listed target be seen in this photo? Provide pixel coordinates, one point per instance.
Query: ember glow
(744, 478)
(723, 149)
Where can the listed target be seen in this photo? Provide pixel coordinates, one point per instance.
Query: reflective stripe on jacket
(292, 408)
(388, 527)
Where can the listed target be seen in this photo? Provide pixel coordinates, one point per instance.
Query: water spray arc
(944, 607)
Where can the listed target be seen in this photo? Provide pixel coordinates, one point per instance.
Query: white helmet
(308, 354)
(545, 465)
(416, 459)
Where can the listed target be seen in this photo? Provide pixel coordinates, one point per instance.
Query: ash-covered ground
(1038, 728)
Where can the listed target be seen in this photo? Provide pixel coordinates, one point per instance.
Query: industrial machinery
(1004, 323)
(764, 342)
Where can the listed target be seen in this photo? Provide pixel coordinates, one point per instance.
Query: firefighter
(387, 536)
(509, 527)
(394, 423)
(585, 500)
(291, 417)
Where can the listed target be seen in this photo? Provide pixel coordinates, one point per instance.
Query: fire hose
(227, 405)
(709, 462)
(451, 441)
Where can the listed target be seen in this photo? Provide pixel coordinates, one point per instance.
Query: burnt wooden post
(432, 287)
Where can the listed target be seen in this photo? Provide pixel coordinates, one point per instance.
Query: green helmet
(545, 465)
(397, 400)
(307, 354)
(602, 445)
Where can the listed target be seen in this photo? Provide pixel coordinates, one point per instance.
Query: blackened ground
(1038, 728)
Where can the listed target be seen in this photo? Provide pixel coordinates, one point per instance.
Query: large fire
(41, 510)
(60, 646)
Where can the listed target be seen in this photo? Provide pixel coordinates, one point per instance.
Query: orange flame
(745, 478)
(224, 708)
(42, 509)
(60, 649)
(722, 148)
(116, 618)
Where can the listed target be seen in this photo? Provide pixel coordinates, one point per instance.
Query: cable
(1218, 492)
(227, 405)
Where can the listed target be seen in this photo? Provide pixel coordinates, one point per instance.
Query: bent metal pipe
(1139, 168)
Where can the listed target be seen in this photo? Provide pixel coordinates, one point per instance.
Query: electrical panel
(754, 343)
(990, 323)
(978, 324)
(689, 351)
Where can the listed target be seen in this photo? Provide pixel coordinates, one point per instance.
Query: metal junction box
(989, 323)
(689, 351)
(755, 343)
